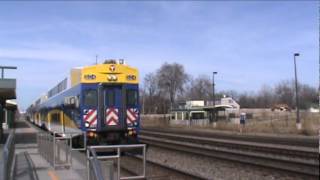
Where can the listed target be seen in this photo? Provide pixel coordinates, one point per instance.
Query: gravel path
(211, 168)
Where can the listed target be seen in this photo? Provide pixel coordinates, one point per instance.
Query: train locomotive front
(101, 100)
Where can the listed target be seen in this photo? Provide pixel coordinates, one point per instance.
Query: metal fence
(6, 163)
(57, 148)
(94, 165)
(191, 122)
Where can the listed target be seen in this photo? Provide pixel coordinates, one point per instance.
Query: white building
(200, 109)
(231, 102)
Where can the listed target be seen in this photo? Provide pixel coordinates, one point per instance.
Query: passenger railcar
(102, 100)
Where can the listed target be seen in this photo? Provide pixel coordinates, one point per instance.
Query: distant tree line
(281, 93)
(170, 84)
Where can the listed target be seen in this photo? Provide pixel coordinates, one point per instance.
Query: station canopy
(219, 107)
(7, 89)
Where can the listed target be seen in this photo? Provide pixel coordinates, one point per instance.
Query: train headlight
(135, 123)
(112, 78)
(86, 124)
(109, 78)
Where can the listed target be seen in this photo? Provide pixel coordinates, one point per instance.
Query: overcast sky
(249, 43)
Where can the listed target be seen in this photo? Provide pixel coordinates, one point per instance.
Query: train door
(113, 108)
(132, 106)
(90, 111)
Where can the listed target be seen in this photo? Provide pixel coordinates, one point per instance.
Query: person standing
(242, 121)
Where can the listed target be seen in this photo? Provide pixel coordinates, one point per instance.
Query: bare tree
(308, 96)
(247, 100)
(284, 92)
(199, 88)
(151, 84)
(151, 93)
(171, 80)
(265, 97)
(229, 93)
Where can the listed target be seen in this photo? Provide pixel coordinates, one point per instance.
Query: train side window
(90, 97)
(132, 97)
(55, 118)
(110, 98)
(76, 116)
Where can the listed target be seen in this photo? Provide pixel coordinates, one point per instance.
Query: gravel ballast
(213, 168)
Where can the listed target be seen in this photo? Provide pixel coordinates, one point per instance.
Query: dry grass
(311, 124)
(154, 120)
(276, 123)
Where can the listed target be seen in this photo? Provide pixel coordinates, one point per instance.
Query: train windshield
(90, 97)
(132, 97)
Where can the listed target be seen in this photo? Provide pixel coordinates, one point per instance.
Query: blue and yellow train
(101, 100)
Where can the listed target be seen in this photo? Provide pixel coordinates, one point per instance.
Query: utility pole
(6, 67)
(298, 123)
(144, 94)
(213, 101)
(319, 65)
(97, 59)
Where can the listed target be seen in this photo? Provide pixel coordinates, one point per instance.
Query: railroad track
(296, 159)
(157, 171)
(311, 142)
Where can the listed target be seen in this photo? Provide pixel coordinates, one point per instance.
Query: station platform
(30, 165)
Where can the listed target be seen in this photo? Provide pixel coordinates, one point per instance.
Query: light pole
(213, 100)
(298, 123)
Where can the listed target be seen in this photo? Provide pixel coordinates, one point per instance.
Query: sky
(249, 43)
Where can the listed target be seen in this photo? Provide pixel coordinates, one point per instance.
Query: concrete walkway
(30, 165)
